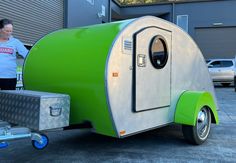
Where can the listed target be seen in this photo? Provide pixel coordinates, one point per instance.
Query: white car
(222, 70)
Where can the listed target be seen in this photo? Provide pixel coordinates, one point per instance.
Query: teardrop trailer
(121, 78)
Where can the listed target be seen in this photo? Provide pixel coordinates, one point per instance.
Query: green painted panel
(73, 61)
(190, 103)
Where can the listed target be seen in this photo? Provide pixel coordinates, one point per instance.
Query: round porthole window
(158, 52)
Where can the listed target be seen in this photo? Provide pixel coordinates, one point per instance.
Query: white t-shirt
(8, 57)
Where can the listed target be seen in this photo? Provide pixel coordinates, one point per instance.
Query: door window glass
(214, 64)
(158, 52)
(226, 63)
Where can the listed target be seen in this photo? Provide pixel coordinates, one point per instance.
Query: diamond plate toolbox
(35, 110)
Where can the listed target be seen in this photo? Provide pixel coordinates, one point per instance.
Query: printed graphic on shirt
(6, 50)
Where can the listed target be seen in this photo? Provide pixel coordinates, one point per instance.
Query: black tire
(198, 134)
(225, 84)
(234, 83)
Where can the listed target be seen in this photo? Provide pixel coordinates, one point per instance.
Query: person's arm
(21, 49)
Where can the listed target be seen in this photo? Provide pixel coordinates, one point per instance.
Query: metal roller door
(33, 19)
(217, 42)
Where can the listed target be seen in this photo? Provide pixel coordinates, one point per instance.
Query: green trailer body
(73, 61)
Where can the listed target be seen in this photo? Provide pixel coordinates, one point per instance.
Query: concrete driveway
(161, 145)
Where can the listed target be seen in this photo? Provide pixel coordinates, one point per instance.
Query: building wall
(33, 19)
(86, 12)
(212, 25)
(163, 10)
(202, 16)
(205, 14)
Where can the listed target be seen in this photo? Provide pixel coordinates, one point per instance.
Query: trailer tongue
(36, 111)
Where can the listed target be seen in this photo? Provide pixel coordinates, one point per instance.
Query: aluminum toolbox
(35, 110)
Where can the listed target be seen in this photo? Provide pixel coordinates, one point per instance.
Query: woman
(8, 48)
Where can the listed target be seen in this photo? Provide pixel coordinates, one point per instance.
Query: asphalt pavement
(161, 145)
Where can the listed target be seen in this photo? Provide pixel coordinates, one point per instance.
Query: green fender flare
(190, 103)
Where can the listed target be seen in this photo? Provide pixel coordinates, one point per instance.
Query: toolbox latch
(55, 111)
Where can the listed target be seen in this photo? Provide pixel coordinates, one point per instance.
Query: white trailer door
(151, 74)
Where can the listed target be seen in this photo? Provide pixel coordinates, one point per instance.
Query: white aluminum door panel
(152, 86)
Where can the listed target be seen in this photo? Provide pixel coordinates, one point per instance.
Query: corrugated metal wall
(33, 19)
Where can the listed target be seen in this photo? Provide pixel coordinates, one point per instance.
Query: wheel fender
(190, 103)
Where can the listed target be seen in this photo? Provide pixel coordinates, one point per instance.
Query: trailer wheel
(41, 145)
(3, 145)
(198, 134)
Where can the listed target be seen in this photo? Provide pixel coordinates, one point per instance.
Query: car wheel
(234, 83)
(198, 134)
(225, 84)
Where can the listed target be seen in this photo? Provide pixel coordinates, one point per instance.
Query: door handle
(141, 60)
